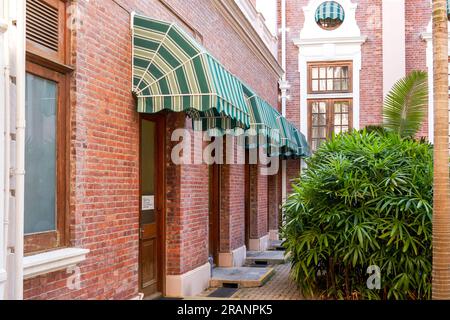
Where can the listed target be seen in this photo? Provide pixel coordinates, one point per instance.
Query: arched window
(330, 15)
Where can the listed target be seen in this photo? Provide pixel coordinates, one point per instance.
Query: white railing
(259, 24)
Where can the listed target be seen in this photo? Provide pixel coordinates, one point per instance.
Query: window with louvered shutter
(47, 101)
(45, 29)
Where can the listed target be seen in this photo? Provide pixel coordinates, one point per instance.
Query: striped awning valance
(330, 10)
(263, 119)
(171, 71)
(293, 142)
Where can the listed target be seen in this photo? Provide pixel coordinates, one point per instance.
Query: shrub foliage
(364, 200)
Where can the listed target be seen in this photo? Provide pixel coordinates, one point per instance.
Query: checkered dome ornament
(330, 15)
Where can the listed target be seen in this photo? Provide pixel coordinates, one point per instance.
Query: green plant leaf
(406, 103)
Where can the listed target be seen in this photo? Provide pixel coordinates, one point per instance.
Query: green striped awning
(303, 150)
(293, 142)
(263, 120)
(171, 71)
(330, 10)
(448, 9)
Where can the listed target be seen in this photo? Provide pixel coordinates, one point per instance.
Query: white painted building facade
(12, 123)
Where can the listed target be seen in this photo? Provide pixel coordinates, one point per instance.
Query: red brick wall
(104, 168)
(187, 200)
(273, 201)
(418, 15)
(294, 21)
(232, 211)
(369, 19)
(194, 205)
(258, 203)
(292, 172)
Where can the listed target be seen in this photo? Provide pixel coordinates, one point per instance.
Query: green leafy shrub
(365, 199)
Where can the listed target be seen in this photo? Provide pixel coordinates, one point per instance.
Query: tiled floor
(279, 287)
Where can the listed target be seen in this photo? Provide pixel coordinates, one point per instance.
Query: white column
(3, 166)
(394, 65)
(19, 172)
(284, 86)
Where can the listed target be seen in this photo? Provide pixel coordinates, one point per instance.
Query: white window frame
(318, 45)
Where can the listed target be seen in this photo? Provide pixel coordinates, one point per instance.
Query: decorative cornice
(318, 41)
(259, 24)
(234, 15)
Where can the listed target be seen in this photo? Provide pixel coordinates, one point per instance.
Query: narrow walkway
(279, 287)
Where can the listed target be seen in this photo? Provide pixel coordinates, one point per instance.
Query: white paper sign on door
(148, 203)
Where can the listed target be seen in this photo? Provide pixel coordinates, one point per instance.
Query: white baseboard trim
(190, 283)
(235, 258)
(140, 296)
(260, 244)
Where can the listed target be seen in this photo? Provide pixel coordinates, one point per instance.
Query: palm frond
(406, 103)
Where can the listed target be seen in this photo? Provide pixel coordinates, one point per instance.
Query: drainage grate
(261, 262)
(223, 292)
(258, 265)
(233, 285)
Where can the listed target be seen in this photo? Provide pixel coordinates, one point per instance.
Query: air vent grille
(42, 24)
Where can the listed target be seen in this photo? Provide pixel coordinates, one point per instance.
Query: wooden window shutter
(45, 29)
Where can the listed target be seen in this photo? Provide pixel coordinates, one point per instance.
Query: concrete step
(265, 257)
(276, 245)
(242, 277)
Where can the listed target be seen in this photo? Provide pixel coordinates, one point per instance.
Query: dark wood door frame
(214, 214)
(160, 195)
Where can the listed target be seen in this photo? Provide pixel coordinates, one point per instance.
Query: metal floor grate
(224, 292)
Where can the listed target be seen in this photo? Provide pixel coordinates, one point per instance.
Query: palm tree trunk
(441, 187)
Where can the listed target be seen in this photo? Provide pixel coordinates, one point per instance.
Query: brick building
(349, 62)
(111, 208)
(107, 213)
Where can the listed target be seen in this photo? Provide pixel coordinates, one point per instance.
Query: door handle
(141, 233)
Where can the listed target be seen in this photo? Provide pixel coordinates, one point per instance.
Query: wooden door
(151, 211)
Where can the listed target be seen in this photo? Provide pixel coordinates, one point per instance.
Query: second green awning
(171, 71)
(263, 120)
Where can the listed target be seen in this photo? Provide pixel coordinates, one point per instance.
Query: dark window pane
(315, 120)
(322, 119)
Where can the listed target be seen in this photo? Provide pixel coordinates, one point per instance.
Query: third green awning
(293, 142)
(171, 71)
(280, 136)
